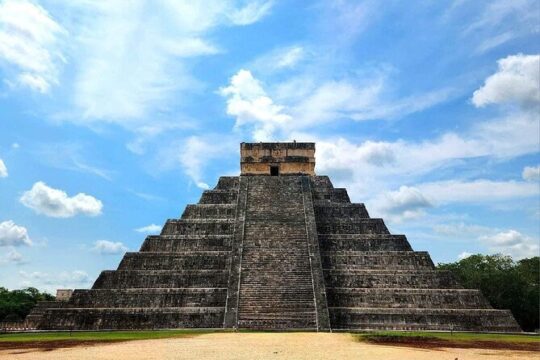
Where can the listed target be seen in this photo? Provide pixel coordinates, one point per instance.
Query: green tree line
(16, 304)
(507, 284)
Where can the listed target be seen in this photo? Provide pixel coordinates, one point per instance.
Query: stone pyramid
(276, 248)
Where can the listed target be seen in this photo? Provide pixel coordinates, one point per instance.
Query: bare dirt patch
(260, 346)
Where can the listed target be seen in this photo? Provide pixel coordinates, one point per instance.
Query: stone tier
(132, 318)
(218, 197)
(34, 318)
(121, 279)
(190, 260)
(351, 226)
(181, 243)
(340, 211)
(198, 227)
(363, 242)
(209, 211)
(149, 298)
(359, 260)
(423, 319)
(421, 279)
(406, 298)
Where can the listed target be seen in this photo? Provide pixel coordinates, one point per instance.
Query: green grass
(100, 335)
(454, 337)
(161, 334)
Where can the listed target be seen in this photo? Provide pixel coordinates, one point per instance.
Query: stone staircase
(374, 281)
(276, 286)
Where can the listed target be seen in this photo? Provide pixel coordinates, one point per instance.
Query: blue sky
(114, 115)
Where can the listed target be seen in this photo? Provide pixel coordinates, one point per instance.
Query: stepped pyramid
(276, 248)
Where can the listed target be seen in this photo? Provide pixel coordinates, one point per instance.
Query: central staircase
(276, 286)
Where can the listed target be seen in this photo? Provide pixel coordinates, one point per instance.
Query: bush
(505, 283)
(16, 304)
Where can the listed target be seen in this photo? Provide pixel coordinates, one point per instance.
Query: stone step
(258, 323)
(198, 227)
(194, 260)
(218, 196)
(335, 195)
(363, 242)
(434, 279)
(150, 298)
(161, 279)
(338, 211)
(209, 211)
(132, 318)
(228, 183)
(180, 243)
(422, 319)
(406, 298)
(399, 260)
(352, 226)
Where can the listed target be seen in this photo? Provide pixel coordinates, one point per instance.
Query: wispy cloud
(149, 229)
(512, 243)
(30, 43)
(3, 169)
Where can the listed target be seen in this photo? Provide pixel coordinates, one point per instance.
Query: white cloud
(13, 235)
(56, 203)
(512, 243)
(248, 102)
(195, 153)
(306, 102)
(106, 247)
(464, 255)
(531, 173)
(516, 80)
(406, 203)
(12, 257)
(70, 156)
(476, 191)
(51, 282)
(279, 59)
(149, 229)
(461, 229)
(3, 169)
(251, 13)
(370, 167)
(133, 59)
(29, 41)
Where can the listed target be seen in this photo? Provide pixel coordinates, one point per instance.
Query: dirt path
(273, 346)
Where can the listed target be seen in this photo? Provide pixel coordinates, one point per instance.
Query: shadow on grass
(434, 341)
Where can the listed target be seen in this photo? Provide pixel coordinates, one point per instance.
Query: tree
(16, 304)
(506, 284)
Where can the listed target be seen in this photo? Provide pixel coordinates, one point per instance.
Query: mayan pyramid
(277, 247)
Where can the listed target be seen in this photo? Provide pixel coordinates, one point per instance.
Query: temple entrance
(274, 170)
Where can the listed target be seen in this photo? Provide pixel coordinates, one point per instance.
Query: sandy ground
(310, 346)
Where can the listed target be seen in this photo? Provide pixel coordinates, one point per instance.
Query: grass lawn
(455, 339)
(455, 336)
(99, 335)
(400, 338)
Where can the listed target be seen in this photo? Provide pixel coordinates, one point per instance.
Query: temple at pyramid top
(273, 158)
